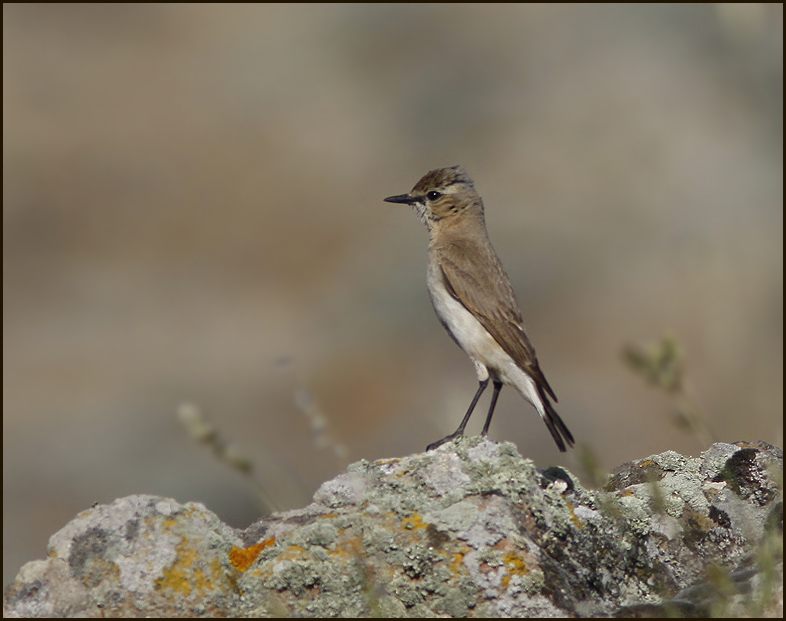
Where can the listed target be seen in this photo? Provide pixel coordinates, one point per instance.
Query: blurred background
(192, 213)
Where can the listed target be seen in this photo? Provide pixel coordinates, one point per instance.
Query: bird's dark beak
(404, 199)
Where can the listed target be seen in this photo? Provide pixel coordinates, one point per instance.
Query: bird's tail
(535, 393)
(556, 426)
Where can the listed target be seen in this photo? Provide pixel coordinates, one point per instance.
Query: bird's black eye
(433, 195)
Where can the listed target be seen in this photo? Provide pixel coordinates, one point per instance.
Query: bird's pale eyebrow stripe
(449, 183)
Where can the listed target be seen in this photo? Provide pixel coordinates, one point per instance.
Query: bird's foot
(444, 440)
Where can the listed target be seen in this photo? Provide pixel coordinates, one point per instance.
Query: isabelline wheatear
(473, 298)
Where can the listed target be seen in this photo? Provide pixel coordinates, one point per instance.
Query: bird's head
(442, 195)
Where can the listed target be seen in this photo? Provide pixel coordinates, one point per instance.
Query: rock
(469, 529)
(139, 556)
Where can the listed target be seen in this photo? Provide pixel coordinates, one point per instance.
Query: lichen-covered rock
(139, 556)
(470, 529)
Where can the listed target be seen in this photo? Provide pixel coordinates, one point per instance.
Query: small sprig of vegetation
(205, 433)
(663, 365)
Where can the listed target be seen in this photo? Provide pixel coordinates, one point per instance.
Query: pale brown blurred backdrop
(192, 211)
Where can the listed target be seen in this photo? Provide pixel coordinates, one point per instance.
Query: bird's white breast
(467, 331)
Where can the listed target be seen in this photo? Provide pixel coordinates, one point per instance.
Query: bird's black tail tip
(558, 429)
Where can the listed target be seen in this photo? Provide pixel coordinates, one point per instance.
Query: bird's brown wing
(475, 277)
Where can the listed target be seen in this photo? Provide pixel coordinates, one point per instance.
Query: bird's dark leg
(460, 430)
(497, 388)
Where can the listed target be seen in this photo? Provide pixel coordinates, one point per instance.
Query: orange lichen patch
(217, 576)
(177, 577)
(328, 516)
(515, 566)
(83, 514)
(348, 547)
(183, 577)
(458, 559)
(243, 558)
(291, 552)
(97, 570)
(646, 462)
(414, 522)
(574, 517)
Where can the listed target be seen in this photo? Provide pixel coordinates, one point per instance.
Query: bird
(474, 300)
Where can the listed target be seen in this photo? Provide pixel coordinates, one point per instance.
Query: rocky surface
(470, 529)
